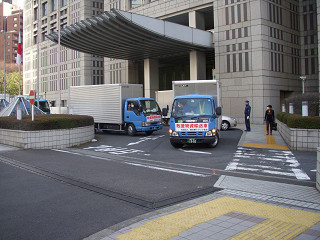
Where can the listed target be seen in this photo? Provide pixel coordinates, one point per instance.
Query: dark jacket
(269, 116)
(247, 110)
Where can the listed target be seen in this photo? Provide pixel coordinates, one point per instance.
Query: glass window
(192, 107)
(53, 5)
(44, 9)
(150, 106)
(35, 14)
(133, 106)
(136, 3)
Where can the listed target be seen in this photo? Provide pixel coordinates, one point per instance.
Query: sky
(20, 3)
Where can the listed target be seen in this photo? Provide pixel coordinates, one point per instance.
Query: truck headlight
(173, 133)
(145, 124)
(211, 133)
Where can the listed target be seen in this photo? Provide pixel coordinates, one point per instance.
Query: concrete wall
(300, 139)
(318, 169)
(47, 139)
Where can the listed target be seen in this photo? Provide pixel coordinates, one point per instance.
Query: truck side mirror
(164, 112)
(168, 108)
(218, 111)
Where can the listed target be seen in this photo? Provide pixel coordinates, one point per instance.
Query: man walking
(247, 112)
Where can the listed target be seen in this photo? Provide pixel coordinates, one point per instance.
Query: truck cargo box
(102, 102)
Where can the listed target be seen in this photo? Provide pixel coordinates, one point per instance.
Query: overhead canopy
(124, 35)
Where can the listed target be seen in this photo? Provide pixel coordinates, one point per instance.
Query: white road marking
(168, 170)
(193, 151)
(143, 139)
(113, 150)
(277, 163)
(137, 164)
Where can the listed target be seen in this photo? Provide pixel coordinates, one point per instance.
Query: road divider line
(167, 170)
(194, 151)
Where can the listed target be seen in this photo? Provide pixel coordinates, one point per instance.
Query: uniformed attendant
(247, 112)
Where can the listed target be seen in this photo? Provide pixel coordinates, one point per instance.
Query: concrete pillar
(197, 59)
(197, 65)
(151, 77)
(197, 20)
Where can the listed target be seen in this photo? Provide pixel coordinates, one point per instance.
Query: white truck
(187, 87)
(117, 107)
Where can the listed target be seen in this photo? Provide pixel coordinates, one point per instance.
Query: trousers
(247, 121)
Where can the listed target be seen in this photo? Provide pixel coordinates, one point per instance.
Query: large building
(259, 50)
(9, 26)
(41, 19)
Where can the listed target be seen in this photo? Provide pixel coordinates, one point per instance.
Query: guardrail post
(291, 108)
(305, 108)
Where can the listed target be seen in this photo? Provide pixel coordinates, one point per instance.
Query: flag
(18, 59)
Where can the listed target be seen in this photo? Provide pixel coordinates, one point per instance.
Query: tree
(12, 82)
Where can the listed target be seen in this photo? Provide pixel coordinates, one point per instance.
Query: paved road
(36, 207)
(73, 193)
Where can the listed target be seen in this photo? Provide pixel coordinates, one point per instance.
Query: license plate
(191, 140)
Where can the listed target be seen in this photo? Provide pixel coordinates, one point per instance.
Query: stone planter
(300, 139)
(47, 139)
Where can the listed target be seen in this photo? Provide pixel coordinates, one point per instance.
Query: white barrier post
(291, 108)
(305, 108)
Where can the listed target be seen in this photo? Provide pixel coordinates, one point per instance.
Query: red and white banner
(155, 118)
(192, 127)
(18, 59)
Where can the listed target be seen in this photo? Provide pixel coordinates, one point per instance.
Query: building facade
(9, 26)
(261, 48)
(41, 19)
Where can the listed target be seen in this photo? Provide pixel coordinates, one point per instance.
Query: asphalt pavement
(74, 193)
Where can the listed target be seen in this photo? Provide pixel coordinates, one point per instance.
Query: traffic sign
(31, 97)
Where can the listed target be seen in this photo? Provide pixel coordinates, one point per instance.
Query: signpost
(31, 100)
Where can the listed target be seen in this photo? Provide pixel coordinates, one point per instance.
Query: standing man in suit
(247, 112)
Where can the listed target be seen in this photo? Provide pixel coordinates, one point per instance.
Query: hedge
(298, 121)
(45, 122)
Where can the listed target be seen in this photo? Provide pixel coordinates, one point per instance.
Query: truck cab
(43, 105)
(194, 120)
(141, 115)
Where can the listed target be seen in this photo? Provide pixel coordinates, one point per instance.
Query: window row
(238, 62)
(241, 46)
(237, 13)
(237, 33)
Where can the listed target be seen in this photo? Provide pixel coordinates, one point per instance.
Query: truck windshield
(192, 107)
(43, 105)
(150, 106)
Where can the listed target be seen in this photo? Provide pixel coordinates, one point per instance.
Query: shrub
(45, 122)
(298, 121)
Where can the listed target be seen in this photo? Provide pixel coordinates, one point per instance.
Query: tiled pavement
(225, 218)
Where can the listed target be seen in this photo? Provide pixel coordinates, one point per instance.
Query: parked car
(228, 122)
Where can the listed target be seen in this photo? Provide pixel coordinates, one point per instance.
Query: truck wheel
(176, 145)
(225, 125)
(131, 130)
(148, 133)
(215, 143)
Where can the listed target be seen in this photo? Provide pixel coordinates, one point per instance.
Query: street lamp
(4, 55)
(303, 78)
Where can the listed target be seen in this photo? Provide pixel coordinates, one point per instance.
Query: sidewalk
(242, 209)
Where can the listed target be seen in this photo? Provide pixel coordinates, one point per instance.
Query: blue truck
(116, 107)
(195, 118)
(43, 105)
